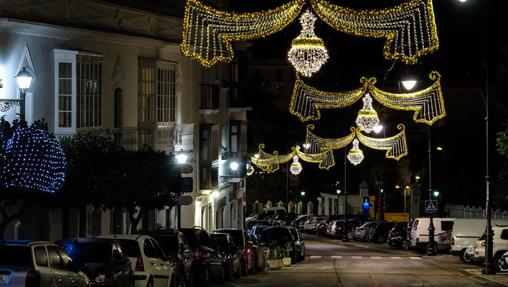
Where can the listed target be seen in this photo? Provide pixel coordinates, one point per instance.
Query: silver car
(42, 264)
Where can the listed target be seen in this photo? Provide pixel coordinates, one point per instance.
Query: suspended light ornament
(355, 155)
(308, 52)
(296, 166)
(367, 117)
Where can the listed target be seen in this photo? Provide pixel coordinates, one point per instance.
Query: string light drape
(409, 29)
(208, 33)
(428, 104)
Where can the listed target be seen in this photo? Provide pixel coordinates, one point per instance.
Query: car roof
(25, 242)
(88, 240)
(124, 236)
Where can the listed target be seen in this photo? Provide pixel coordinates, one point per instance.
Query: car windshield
(276, 234)
(169, 243)
(93, 252)
(130, 247)
(15, 256)
(236, 236)
(191, 238)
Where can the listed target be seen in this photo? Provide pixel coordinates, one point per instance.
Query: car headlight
(101, 278)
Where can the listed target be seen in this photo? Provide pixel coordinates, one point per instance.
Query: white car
(148, 261)
(41, 264)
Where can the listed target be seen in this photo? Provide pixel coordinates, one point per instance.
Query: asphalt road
(334, 263)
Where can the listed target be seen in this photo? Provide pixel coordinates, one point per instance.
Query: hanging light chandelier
(355, 155)
(367, 117)
(296, 166)
(308, 52)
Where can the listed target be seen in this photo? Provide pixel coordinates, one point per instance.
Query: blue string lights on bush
(34, 160)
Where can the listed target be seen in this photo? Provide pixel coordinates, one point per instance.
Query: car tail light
(198, 254)
(140, 266)
(33, 278)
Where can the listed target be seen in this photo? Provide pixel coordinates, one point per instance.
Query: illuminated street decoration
(321, 149)
(296, 166)
(355, 155)
(33, 160)
(367, 117)
(208, 33)
(409, 29)
(427, 104)
(308, 52)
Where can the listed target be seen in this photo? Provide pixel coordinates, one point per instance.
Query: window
(54, 257)
(446, 225)
(157, 91)
(148, 249)
(504, 234)
(78, 90)
(41, 258)
(234, 132)
(89, 90)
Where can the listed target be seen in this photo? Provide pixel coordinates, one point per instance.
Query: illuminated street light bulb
(436, 193)
(302, 193)
(339, 191)
(367, 117)
(397, 186)
(409, 84)
(355, 155)
(234, 166)
(181, 158)
(382, 190)
(296, 166)
(440, 148)
(378, 128)
(306, 146)
(308, 52)
(23, 79)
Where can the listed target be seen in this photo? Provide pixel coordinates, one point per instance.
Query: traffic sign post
(431, 206)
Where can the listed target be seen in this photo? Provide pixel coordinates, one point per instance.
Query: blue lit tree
(32, 165)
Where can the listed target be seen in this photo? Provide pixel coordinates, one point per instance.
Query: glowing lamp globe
(24, 79)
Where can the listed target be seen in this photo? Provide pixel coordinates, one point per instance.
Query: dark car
(176, 247)
(231, 253)
(379, 233)
(102, 260)
(208, 262)
(282, 236)
(237, 235)
(253, 223)
(284, 219)
(397, 235)
(258, 253)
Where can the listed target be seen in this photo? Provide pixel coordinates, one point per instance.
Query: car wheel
(500, 263)
(465, 257)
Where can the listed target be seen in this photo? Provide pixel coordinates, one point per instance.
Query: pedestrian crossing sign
(430, 206)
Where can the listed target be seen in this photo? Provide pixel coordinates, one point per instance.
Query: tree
(32, 164)
(93, 163)
(149, 180)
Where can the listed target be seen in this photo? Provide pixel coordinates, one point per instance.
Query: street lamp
(182, 157)
(302, 193)
(378, 128)
(409, 83)
(234, 165)
(436, 194)
(23, 80)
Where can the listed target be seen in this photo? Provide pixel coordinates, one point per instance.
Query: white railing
(461, 211)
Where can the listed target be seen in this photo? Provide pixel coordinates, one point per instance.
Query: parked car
(258, 253)
(397, 235)
(176, 247)
(231, 253)
(208, 262)
(465, 233)
(102, 260)
(310, 225)
(379, 233)
(499, 247)
(253, 223)
(151, 266)
(42, 264)
(237, 235)
(362, 231)
(420, 232)
(283, 237)
(299, 222)
(299, 244)
(284, 219)
(337, 228)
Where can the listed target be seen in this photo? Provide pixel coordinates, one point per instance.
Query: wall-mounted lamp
(24, 80)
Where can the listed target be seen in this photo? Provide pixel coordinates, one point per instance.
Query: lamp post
(345, 235)
(181, 158)
(23, 80)
(431, 248)
(338, 200)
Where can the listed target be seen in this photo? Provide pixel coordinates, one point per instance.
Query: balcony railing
(210, 97)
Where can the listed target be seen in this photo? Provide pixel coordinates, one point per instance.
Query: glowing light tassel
(296, 166)
(355, 155)
(367, 117)
(308, 52)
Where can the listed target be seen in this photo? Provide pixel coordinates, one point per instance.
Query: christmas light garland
(409, 29)
(428, 104)
(208, 33)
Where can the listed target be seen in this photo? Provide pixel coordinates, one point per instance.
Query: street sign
(430, 206)
(186, 184)
(184, 200)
